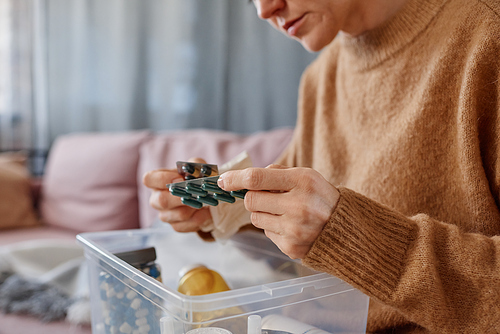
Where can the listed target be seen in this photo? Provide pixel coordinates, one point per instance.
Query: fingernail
(220, 181)
(179, 179)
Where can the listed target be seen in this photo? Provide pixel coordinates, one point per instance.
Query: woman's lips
(293, 26)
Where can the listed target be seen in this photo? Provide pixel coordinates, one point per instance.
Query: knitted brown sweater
(406, 121)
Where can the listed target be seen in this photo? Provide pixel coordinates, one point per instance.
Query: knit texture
(405, 121)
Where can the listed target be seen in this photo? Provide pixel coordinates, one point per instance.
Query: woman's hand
(183, 218)
(291, 205)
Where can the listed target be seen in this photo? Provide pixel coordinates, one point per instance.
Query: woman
(393, 181)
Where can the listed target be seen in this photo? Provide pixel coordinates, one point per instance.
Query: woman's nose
(267, 8)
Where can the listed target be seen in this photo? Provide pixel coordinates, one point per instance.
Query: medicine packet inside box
(262, 281)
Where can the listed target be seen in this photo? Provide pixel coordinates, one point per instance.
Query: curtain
(15, 74)
(118, 65)
(168, 64)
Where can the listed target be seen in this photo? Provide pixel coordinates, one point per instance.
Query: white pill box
(263, 282)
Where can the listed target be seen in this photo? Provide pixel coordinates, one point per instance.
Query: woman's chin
(314, 44)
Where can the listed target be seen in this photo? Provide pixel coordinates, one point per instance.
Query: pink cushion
(216, 147)
(90, 183)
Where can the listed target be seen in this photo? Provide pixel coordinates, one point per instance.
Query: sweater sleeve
(287, 157)
(435, 275)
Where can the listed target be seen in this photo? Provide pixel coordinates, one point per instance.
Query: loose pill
(131, 294)
(125, 328)
(144, 329)
(154, 272)
(136, 303)
(141, 313)
(110, 293)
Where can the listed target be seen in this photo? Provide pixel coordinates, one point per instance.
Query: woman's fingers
(163, 200)
(197, 160)
(293, 250)
(171, 210)
(277, 166)
(293, 234)
(159, 178)
(268, 202)
(257, 179)
(186, 219)
(291, 205)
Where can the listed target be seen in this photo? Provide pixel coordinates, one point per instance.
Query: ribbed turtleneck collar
(378, 44)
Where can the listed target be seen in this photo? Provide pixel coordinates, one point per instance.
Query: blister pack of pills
(193, 170)
(200, 186)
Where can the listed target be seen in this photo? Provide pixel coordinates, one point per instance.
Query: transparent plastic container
(263, 282)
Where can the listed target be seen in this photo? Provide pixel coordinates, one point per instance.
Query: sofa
(93, 182)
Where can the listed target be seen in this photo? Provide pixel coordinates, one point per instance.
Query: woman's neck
(371, 14)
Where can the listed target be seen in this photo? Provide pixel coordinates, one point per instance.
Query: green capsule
(195, 190)
(205, 170)
(208, 200)
(177, 191)
(212, 187)
(224, 198)
(188, 168)
(193, 185)
(191, 202)
(211, 179)
(239, 193)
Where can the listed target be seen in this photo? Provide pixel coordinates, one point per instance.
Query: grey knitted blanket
(20, 296)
